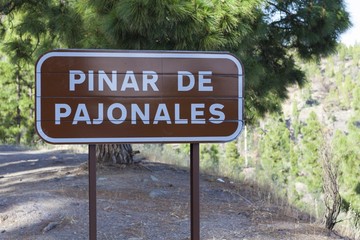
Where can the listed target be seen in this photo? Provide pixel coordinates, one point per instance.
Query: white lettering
(58, 112)
(203, 81)
(215, 111)
(195, 113)
(75, 77)
(144, 115)
(129, 81)
(110, 113)
(150, 78)
(91, 80)
(111, 83)
(104, 79)
(178, 120)
(181, 86)
(100, 118)
(118, 113)
(81, 114)
(162, 114)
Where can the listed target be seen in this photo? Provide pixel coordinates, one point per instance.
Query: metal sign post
(92, 191)
(195, 191)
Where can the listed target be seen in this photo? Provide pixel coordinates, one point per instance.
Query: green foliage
(309, 161)
(286, 160)
(185, 148)
(17, 100)
(295, 121)
(342, 52)
(251, 29)
(231, 152)
(275, 153)
(209, 157)
(168, 24)
(304, 178)
(286, 153)
(29, 29)
(356, 98)
(232, 163)
(347, 155)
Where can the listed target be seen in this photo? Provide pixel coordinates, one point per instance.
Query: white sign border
(137, 54)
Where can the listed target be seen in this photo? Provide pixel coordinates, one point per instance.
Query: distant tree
(356, 100)
(275, 154)
(347, 156)
(331, 186)
(309, 163)
(209, 157)
(295, 121)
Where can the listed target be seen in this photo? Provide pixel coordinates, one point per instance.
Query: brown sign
(138, 96)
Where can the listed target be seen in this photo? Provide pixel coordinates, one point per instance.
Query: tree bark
(332, 198)
(18, 110)
(115, 153)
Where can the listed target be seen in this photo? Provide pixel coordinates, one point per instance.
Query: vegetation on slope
(289, 152)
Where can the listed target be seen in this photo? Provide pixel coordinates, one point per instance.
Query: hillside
(319, 128)
(332, 90)
(288, 152)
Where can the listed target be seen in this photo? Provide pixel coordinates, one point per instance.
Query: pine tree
(309, 163)
(347, 155)
(275, 154)
(209, 157)
(27, 29)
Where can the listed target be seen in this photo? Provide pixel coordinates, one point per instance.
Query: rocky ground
(44, 195)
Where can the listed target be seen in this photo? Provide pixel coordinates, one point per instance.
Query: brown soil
(44, 195)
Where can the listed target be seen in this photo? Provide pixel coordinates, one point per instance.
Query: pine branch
(279, 8)
(10, 6)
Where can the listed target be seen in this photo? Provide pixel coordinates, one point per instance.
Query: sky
(351, 36)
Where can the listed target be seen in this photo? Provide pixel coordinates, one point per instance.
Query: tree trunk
(115, 153)
(18, 110)
(332, 198)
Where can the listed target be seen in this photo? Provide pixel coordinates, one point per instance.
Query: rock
(124, 202)
(220, 180)
(3, 218)
(50, 226)
(157, 193)
(108, 208)
(155, 179)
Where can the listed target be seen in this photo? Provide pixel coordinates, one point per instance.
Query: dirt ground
(44, 195)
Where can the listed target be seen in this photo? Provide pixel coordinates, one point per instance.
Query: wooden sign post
(107, 96)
